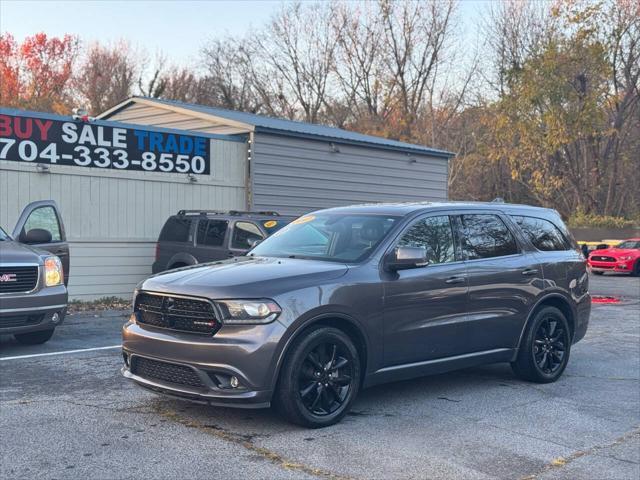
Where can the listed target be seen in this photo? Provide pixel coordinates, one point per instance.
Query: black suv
(350, 297)
(200, 236)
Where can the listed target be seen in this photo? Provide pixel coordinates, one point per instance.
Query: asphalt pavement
(69, 414)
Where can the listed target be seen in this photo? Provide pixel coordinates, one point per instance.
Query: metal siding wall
(294, 175)
(113, 219)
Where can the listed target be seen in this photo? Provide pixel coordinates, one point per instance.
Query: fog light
(234, 382)
(55, 318)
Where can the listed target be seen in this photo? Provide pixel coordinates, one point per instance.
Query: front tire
(34, 338)
(320, 378)
(636, 269)
(545, 348)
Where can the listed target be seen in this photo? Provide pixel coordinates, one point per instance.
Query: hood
(14, 252)
(244, 277)
(614, 252)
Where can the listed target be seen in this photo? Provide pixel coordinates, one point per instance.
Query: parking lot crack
(246, 441)
(561, 462)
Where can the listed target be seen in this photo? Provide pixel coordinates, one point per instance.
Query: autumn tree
(106, 76)
(36, 74)
(297, 59)
(563, 124)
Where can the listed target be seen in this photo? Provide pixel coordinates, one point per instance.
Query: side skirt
(439, 365)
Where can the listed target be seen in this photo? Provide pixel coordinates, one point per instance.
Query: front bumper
(248, 353)
(617, 267)
(24, 313)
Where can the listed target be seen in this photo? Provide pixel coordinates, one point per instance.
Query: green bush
(601, 221)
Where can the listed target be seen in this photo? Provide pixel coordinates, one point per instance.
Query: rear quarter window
(543, 234)
(176, 230)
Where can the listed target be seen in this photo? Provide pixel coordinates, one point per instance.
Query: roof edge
(152, 102)
(407, 147)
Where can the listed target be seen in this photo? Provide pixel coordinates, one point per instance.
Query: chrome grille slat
(26, 279)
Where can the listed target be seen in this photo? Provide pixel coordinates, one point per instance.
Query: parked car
(345, 298)
(34, 269)
(623, 258)
(198, 236)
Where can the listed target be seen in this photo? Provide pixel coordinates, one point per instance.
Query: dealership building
(220, 160)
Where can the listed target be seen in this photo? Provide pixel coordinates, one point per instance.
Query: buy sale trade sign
(37, 138)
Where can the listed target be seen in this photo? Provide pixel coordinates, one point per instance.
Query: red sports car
(623, 258)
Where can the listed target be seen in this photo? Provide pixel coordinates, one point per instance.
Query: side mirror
(406, 257)
(36, 236)
(253, 241)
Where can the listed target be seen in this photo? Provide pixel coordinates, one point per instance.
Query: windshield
(629, 244)
(275, 224)
(3, 235)
(330, 237)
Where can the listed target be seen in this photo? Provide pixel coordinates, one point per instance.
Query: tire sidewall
(299, 352)
(539, 318)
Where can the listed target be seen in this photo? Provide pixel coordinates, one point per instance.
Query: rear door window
(486, 236)
(543, 234)
(244, 235)
(176, 230)
(211, 232)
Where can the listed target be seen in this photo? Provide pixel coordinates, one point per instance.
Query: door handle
(530, 271)
(455, 279)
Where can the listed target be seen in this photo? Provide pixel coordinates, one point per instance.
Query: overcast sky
(177, 28)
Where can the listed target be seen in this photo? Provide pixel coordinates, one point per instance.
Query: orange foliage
(36, 74)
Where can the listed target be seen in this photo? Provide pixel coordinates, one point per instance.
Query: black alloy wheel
(545, 347)
(319, 379)
(550, 345)
(324, 378)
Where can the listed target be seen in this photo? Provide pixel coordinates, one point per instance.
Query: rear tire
(320, 378)
(544, 352)
(34, 338)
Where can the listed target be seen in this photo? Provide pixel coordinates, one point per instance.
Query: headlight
(53, 274)
(244, 312)
(624, 259)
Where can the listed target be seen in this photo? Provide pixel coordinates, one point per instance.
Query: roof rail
(242, 212)
(230, 212)
(201, 212)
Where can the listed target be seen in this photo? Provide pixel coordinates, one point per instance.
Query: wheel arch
(551, 300)
(340, 321)
(182, 257)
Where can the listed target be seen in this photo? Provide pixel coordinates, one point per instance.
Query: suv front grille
(18, 279)
(177, 313)
(166, 372)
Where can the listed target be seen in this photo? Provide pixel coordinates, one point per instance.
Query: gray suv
(350, 297)
(34, 269)
(199, 236)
